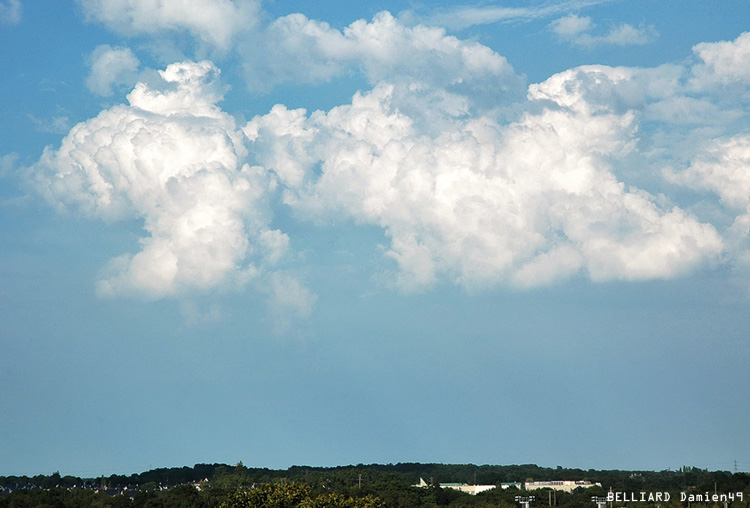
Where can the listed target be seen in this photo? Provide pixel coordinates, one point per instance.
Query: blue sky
(306, 233)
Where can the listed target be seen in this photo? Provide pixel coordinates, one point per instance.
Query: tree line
(354, 486)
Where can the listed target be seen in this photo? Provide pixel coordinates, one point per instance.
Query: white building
(563, 485)
(463, 487)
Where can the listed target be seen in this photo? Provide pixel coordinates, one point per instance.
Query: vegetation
(361, 486)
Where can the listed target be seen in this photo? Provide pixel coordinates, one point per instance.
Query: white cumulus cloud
(303, 50)
(213, 22)
(723, 62)
(723, 168)
(174, 159)
(480, 203)
(475, 179)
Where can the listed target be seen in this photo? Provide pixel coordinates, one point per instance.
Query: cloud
(628, 35)
(288, 299)
(458, 18)
(724, 169)
(55, 125)
(174, 159)
(111, 67)
(215, 23)
(194, 315)
(299, 49)
(576, 31)
(722, 62)
(571, 25)
(11, 12)
(482, 204)
(8, 164)
(475, 179)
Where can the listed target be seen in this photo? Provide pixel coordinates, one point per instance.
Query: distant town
(402, 485)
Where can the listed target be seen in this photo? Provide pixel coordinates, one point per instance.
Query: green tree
(269, 495)
(334, 500)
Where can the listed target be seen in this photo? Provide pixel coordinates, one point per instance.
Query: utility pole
(601, 502)
(524, 501)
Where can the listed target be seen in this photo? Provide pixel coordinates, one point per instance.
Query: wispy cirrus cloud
(461, 17)
(577, 30)
(10, 12)
(59, 124)
(111, 67)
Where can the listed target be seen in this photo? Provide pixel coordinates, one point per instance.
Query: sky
(316, 233)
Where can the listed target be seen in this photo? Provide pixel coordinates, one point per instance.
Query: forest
(365, 486)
